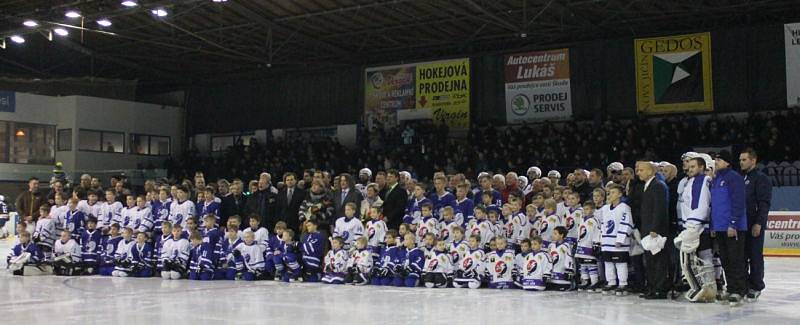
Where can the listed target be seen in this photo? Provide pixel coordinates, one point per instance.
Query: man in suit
(654, 218)
(346, 194)
(394, 198)
(234, 204)
(289, 200)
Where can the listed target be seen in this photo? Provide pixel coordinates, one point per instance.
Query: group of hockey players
(543, 239)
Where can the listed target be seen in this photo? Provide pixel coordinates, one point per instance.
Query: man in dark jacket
(729, 225)
(394, 199)
(758, 191)
(654, 218)
(346, 194)
(29, 202)
(233, 204)
(289, 200)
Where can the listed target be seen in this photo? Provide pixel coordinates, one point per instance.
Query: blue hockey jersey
(91, 246)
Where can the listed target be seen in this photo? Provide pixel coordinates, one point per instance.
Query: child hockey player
(201, 258)
(616, 241)
(573, 217)
(261, 233)
(128, 214)
(438, 269)
(250, 259)
(335, 268)
(465, 207)
(311, 250)
(536, 266)
(109, 245)
(91, 247)
(588, 249)
(66, 255)
(409, 267)
(182, 208)
(549, 222)
(142, 217)
(520, 224)
(190, 226)
(414, 208)
(209, 205)
(376, 232)
(349, 227)
(360, 263)
(166, 228)
(110, 211)
(160, 210)
(469, 270)
(500, 265)
(383, 269)
(58, 213)
(226, 265)
(447, 225)
(74, 220)
(561, 256)
(45, 234)
(480, 227)
(174, 255)
(285, 259)
(122, 261)
(441, 197)
(427, 223)
(26, 256)
(458, 248)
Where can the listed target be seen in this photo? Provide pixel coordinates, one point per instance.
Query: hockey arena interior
(399, 161)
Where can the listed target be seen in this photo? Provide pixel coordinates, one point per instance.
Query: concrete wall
(80, 112)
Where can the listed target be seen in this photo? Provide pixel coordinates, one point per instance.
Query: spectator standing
(394, 200)
(289, 200)
(29, 202)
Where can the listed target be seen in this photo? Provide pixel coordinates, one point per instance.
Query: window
(222, 142)
(104, 141)
(153, 145)
(65, 140)
(27, 143)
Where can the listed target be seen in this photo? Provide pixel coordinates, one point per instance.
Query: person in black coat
(289, 200)
(233, 204)
(394, 199)
(654, 222)
(758, 194)
(346, 194)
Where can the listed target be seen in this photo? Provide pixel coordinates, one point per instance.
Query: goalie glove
(237, 254)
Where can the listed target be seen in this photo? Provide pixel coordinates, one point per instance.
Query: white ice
(90, 300)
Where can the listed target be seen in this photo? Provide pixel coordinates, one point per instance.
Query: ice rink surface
(105, 300)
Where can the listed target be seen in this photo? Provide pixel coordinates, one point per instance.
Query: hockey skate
(609, 289)
(621, 291)
(752, 296)
(735, 300)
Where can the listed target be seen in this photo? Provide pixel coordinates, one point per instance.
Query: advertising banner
(782, 234)
(538, 86)
(792, 32)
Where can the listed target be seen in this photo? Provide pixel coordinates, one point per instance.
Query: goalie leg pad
(700, 277)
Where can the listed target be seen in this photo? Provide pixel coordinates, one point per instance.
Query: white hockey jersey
(174, 249)
(90, 210)
(349, 229)
(458, 249)
(110, 213)
(376, 233)
(361, 259)
(127, 217)
(45, 233)
(427, 225)
(695, 202)
(438, 262)
(499, 266)
(561, 209)
(180, 211)
(588, 236)
(59, 216)
(680, 189)
(520, 228)
(472, 262)
(336, 261)
(70, 248)
(532, 268)
(260, 236)
(617, 227)
(562, 261)
(571, 222)
(446, 230)
(142, 220)
(546, 226)
(253, 256)
(124, 248)
(484, 229)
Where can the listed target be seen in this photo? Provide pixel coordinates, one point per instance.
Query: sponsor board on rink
(782, 234)
(792, 33)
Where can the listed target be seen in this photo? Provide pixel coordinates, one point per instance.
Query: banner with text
(538, 86)
(440, 87)
(782, 234)
(792, 32)
(673, 74)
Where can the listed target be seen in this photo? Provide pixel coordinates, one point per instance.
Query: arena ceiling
(217, 40)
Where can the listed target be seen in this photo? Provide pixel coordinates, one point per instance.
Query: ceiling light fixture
(129, 4)
(104, 22)
(30, 23)
(159, 12)
(72, 14)
(61, 31)
(17, 39)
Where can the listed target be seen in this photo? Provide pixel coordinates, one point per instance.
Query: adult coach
(758, 191)
(29, 202)
(654, 218)
(729, 224)
(394, 200)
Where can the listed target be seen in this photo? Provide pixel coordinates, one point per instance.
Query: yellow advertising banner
(673, 74)
(443, 87)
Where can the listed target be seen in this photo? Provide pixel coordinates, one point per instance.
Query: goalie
(25, 257)
(694, 242)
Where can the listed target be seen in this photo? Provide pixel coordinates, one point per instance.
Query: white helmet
(523, 181)
(535, 170)
(707, 158)
(615, 167)
(554, 173)
(365, 171)
(689, 155)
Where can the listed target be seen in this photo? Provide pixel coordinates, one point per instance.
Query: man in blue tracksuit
(758, 190)
(729, 225)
